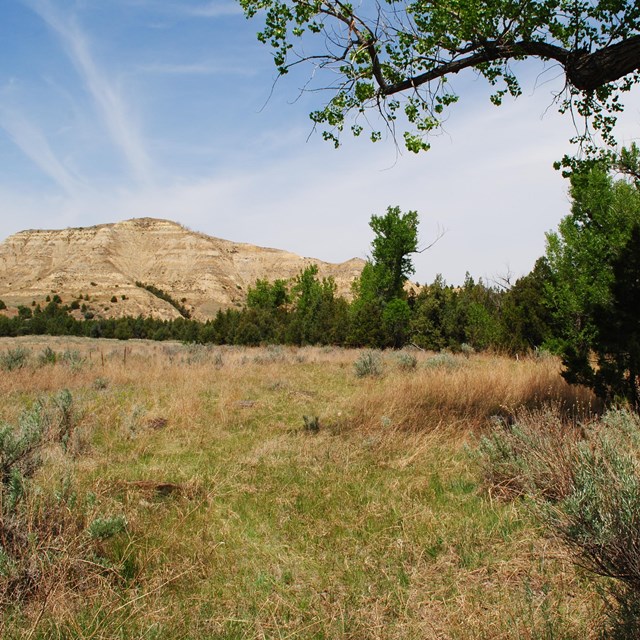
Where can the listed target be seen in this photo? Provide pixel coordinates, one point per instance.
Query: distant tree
(266, 295)
(159, 293)
(396, 239)
(365, 311)
(382, 281)
(255, 326)
(7, 326)
(123, 329)
(428, 328)
(477, 314)
(525, 317)
(396, 320)
(316, 315)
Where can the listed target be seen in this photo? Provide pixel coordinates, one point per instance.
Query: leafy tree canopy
(396, 56)
(592, 265)
(267, 295)
(380, 314)
(396, 238)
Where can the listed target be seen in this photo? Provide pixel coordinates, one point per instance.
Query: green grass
(275, 532)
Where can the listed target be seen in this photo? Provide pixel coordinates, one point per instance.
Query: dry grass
(456, 390)
(375, 527)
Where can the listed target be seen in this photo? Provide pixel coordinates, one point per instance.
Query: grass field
(273, 493)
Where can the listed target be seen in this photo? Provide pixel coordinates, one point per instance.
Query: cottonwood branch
(585, 71)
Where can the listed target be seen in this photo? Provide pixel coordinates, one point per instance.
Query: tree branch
(489, 52)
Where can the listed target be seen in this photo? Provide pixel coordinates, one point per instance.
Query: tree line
(580, 301)
(307, 311)
(386, 311)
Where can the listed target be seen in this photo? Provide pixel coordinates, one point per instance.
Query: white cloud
(214, 9)
(33, 143)
(107, 95)
(495, 199)
(198, 68)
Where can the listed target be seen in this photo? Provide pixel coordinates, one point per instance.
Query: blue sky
(113, 109)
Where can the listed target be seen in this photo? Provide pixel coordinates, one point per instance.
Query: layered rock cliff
(102, 264)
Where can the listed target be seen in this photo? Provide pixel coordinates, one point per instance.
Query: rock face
(103, 263)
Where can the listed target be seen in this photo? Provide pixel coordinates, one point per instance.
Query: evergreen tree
(525, 318)
(315, 315)
(428, 322)
(583, 257)
(617, 344)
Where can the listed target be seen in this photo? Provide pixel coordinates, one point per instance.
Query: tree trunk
(588, 71)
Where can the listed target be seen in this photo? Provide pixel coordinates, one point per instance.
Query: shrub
(407, 361)
(533, 456)
(585, 484)
(104, 528)
(19, 457)
(14, 359)
(2, 305)
(63, 402)
(73, 359)
(24, 312)
(445, 360)
(368, 364)
(311, 424)
(20, 447)
(47, 356)
(466, 349)
(99, 384)
(41, 527)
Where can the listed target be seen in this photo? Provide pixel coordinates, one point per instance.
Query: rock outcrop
(102, 264)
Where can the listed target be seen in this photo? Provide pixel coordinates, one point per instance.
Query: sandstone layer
(102, 264)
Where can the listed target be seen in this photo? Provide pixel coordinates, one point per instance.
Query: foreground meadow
(213, 492)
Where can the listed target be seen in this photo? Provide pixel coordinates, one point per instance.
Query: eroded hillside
(102, 264)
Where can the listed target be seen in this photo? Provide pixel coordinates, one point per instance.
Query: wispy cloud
(34, 144)
(214, 9)
(188, 8)
(105, 93)
(203, 69)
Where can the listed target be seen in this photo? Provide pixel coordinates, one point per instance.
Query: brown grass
(242, 525)
(467, 392)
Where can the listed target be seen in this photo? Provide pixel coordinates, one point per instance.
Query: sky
(115, 109)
